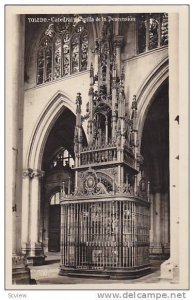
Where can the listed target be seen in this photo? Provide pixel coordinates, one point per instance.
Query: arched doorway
(57, 163)
(155, 151)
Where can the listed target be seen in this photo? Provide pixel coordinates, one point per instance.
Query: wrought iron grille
(100, 235)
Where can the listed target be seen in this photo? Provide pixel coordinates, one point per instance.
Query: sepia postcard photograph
(96, 108)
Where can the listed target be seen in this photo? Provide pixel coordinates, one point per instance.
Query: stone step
(44, 273)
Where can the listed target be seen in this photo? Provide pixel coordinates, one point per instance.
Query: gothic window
(75, 54)
(84, 51)
(152, 31)
(48, 66)
(40, 67)
(66, 54)
(57, 58)
(44, 60)
(63, 50)
(62, 158)
(142, 33)
(164, 29)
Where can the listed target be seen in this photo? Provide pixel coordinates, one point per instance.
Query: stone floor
(48, 274)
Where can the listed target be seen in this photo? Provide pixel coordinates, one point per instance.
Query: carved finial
(79, 99)
(87, 107)
(91, 91)
(96, 46)
(114, 71)
(122, 74)
(121, 92)
(134, 103)
(91, 70)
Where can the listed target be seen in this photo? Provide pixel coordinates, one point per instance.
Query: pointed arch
(58, 103)
(146, 93)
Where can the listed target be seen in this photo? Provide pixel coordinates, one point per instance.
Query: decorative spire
(134, 112)
(79, 99)
(78, 103)
(91, 71)
(114, 73)
(122, 74)
(134, 103)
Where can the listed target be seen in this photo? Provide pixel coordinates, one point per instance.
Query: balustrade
(94, 156)
(98, 156)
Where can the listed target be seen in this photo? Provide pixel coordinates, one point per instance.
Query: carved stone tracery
(112, 135)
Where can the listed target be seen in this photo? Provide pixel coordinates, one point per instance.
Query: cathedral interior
(93, 171)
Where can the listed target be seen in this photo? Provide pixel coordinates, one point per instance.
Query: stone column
(151, 222)
(35, 255)
(106, 130)
(95, 61)
(170, 268)
(166, 237)
(15, 34)
(15, 96)
(46, 224)
(118, 40)
(25, 208)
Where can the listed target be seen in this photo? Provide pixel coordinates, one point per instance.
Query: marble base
(131, 273)
(20, 272)
(35, 260)
(21, 275)
(34, 254)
